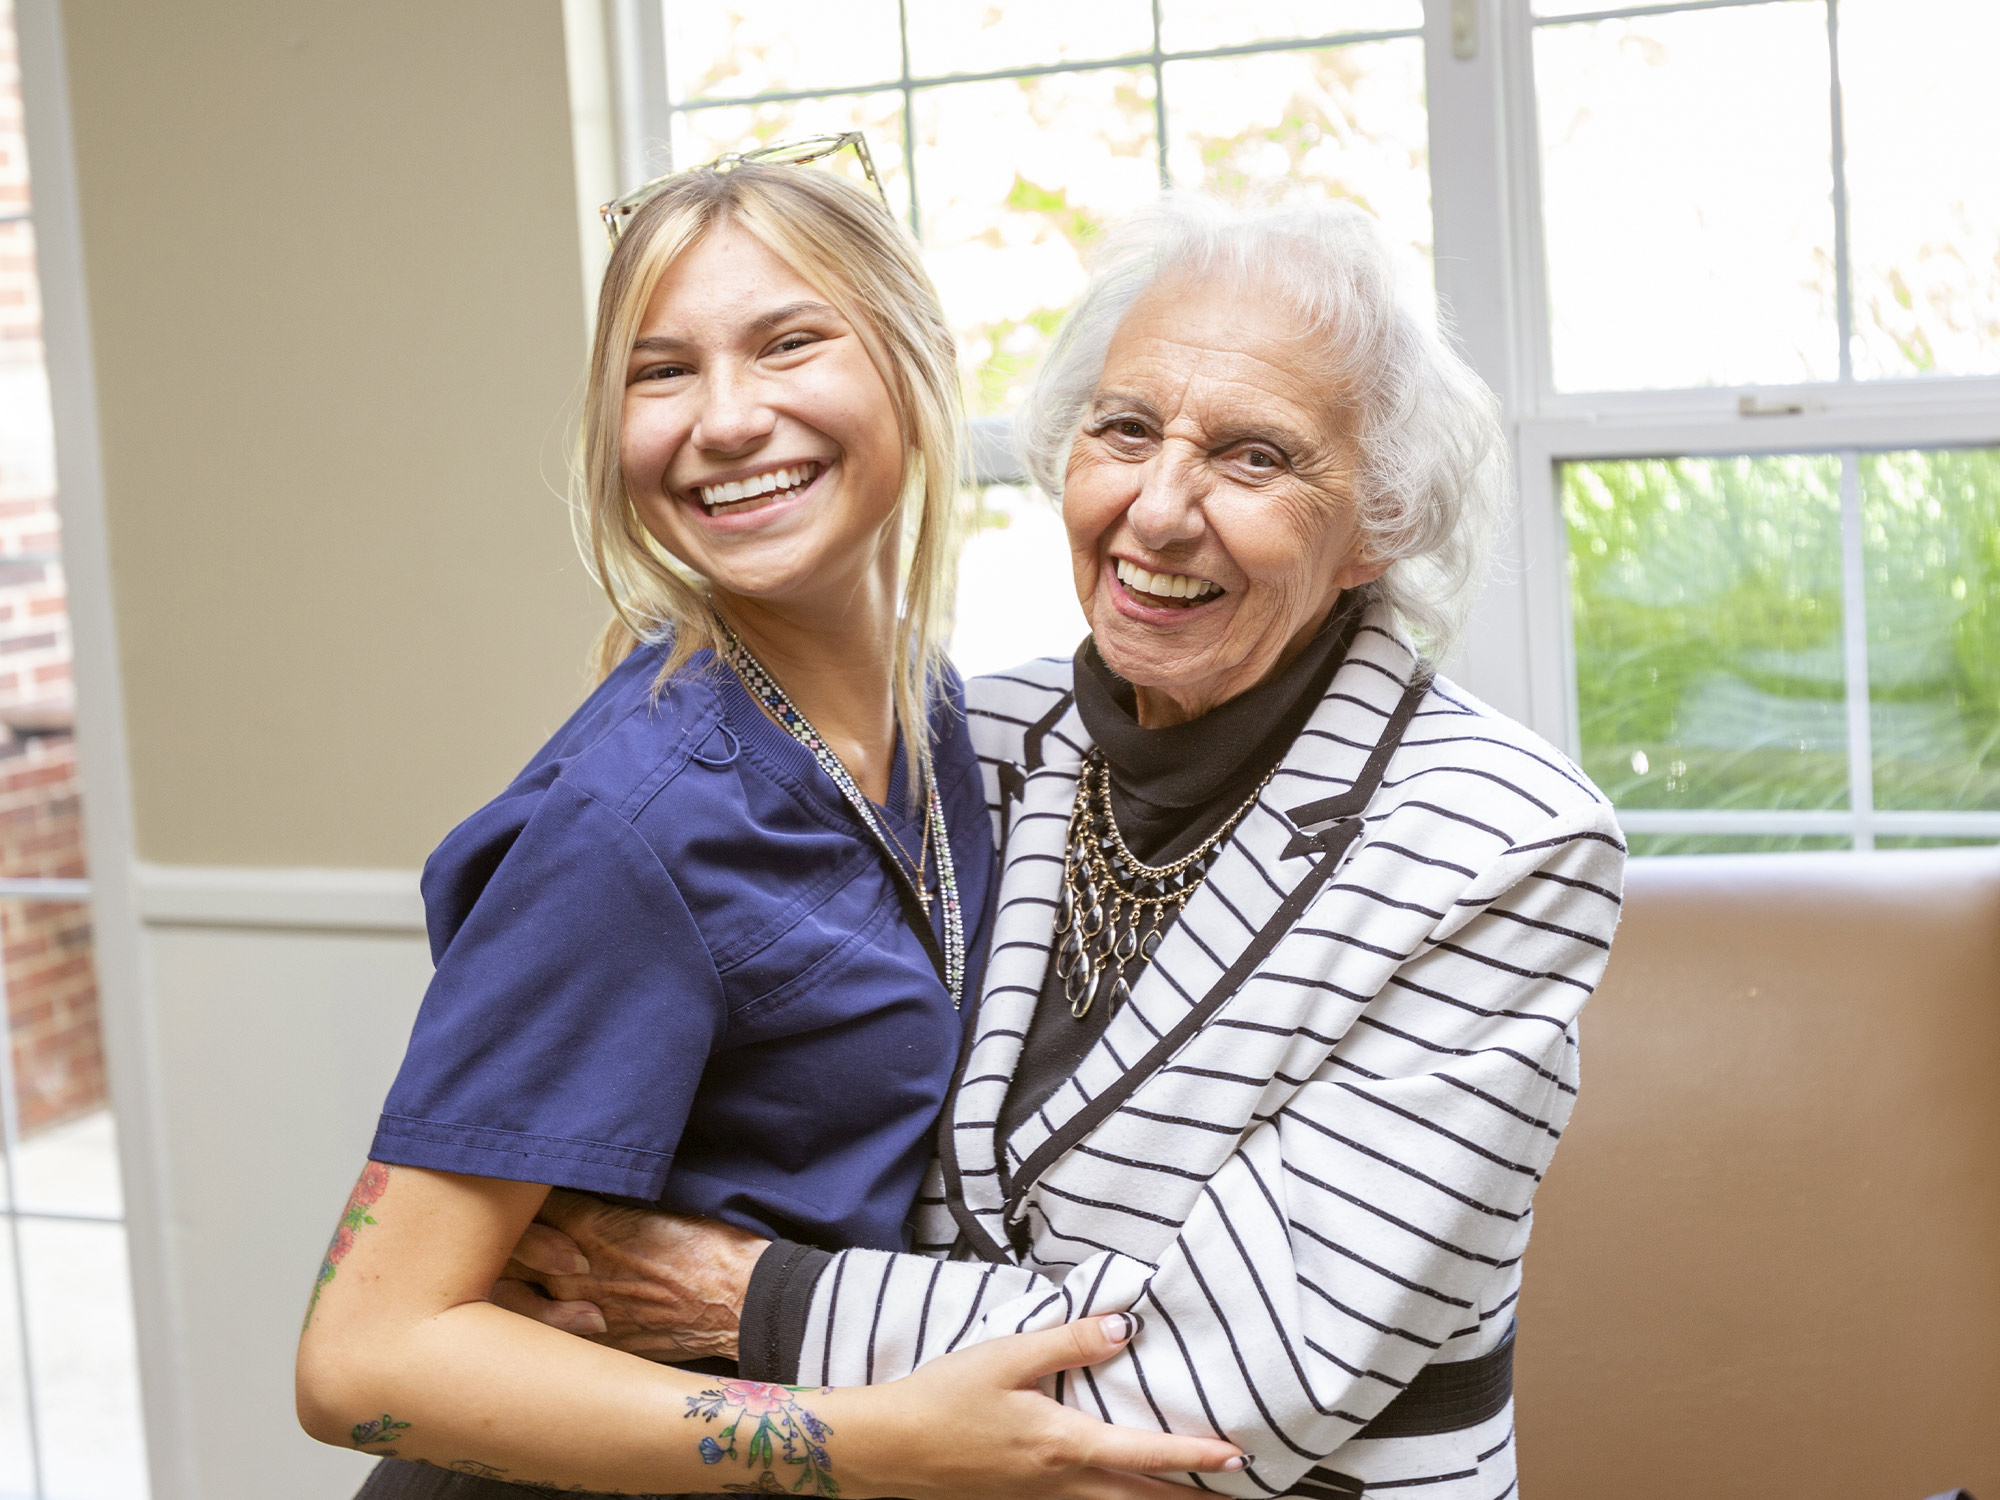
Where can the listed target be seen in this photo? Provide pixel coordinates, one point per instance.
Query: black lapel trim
(1354, 801)
(1013, 787)
(1329, 845)
(971, 1232)
(1013, 778)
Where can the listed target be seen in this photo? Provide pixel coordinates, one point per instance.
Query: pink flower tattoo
(781, 1432)
(374, 1179)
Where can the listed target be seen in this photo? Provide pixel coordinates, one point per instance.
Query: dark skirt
(398, 1479)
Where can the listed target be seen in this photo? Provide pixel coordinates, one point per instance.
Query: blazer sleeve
(1350, 1235)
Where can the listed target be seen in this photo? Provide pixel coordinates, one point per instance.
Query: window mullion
(639, 72)
(1854, 631)
(1534, 360)
(1487, 264)
(1843, 273)
(1160, 99)
(909, 117)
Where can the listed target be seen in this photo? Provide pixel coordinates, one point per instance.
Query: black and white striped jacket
(1319, 1185)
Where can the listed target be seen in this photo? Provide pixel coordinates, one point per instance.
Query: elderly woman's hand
(657, 1285)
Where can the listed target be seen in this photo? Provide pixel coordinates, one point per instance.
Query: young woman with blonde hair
(708, 951)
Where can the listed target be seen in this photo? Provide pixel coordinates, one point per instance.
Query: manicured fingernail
(573, 1264)
(1118, 1327)
(590, 1322)
(1239, 1463)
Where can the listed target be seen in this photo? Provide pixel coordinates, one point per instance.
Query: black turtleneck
(1170, 789)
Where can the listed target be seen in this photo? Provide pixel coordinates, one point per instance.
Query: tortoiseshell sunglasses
(618, 212)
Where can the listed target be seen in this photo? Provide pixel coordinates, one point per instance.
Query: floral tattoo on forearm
(374, 1178)
(782, 1431)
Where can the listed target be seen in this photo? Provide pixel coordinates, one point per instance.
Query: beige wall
(332, 272)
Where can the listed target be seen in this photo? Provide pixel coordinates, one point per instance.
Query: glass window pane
(17, 1474)
(51, 1010)
(1016, 178)
(1687, 198)
(701, 135)
(1923, 184)
(1191, 25)
(1705, 596)
(1016, 595)
(85, 1366)
(1931, 527)
(1733, 843)
(767, 46)
(1336, 122)
(41, 830)
(969, 38)
(71, 1168)
(1909, 841)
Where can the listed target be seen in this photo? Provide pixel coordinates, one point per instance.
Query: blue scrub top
(672, 966)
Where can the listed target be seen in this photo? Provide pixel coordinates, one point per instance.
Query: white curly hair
(1431, 470)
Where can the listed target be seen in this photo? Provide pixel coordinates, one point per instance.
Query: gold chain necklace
(1115, 907)
(919, 864)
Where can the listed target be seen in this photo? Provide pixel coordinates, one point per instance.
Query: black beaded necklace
(1114, 906)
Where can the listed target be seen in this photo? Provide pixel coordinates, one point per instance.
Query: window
(69, 1400)
(1764, 412)
(1728, 262)
(1011, 134)
(1790, 650)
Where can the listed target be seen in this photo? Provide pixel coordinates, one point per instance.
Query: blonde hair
(845, 245)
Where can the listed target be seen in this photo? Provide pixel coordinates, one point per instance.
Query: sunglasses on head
(618, 212)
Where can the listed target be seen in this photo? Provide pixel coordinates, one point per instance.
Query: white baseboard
(221, 896)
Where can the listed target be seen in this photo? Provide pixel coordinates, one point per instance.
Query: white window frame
(1491, 274)
(1843, 417)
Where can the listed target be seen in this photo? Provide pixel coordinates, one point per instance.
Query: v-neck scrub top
(674, 967)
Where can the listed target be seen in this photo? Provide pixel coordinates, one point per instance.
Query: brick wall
(51, 985)
(45, 955)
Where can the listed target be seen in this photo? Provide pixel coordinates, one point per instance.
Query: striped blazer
(1304, 1151)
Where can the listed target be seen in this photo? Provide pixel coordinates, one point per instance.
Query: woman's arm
(1351, 1235)
(403, 1355)
(1349, 1238)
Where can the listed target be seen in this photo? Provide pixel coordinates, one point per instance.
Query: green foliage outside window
(1709, 626)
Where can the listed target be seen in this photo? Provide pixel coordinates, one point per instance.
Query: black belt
(1450, 1397)
(1443, 1398)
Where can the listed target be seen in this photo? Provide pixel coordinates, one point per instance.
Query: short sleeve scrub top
(674, 967)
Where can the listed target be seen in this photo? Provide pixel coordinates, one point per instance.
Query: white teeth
(715, 495)
(1164, 585)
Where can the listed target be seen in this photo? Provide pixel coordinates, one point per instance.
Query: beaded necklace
(1109, 894)
(764, 688)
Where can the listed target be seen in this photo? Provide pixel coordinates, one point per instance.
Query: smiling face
(759, 443)
(1208, 498)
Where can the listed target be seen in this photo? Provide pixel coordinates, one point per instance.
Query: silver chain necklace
(1114, 906)
(764, 688)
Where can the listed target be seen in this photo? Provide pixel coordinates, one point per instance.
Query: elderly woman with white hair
(1278, 1029)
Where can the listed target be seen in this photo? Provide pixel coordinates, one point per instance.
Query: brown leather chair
(1767, 1260)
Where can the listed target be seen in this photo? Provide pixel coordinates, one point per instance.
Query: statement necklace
(1115, 907)
(764, 688)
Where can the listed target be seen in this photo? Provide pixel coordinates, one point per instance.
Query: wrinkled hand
(653, 1284)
